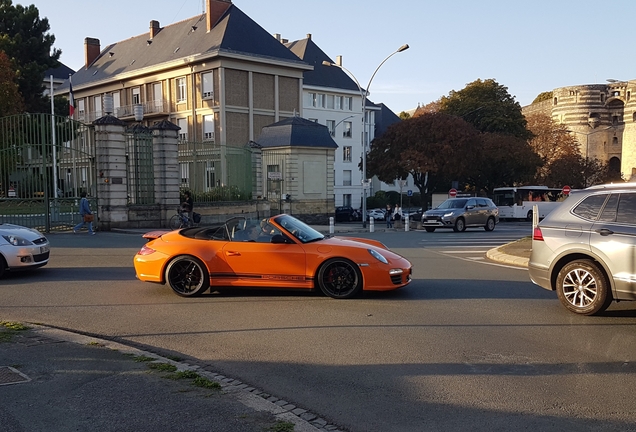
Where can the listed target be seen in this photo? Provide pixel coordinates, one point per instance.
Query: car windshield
(452, 204)
(298, 229)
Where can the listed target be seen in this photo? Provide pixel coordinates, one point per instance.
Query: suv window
(609, 212)
(626, 209)
(590, 207)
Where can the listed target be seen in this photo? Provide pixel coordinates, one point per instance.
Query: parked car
(347, 214)
(584, 249)
(376, 214)
(461, 213)
(22, 248)
(282, 252)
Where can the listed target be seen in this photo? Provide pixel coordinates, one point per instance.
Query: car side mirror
(470, 207)
(280, 239)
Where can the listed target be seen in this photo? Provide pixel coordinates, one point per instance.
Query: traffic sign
(452, 193)
(409, 192)
(566, 190)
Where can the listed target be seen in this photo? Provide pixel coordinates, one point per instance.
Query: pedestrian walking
(397, 216)
(86, 215)
(389, 216)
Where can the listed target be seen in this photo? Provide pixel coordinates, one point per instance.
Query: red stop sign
(566, 190)
(452, 193)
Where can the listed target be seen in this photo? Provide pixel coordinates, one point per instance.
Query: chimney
(91, 50)
(339, 60)
(309, 36)
(277, 36)
(154, 28)
(216, 9)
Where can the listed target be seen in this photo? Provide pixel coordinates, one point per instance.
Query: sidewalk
(52, 379)
(516, 253)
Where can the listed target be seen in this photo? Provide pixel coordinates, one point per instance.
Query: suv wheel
(490, 224)
(460, 225)
(583, 288)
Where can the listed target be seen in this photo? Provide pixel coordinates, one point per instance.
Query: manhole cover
(9, 375)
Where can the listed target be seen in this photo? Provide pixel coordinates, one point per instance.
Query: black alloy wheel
(339, 278)
(187, 276)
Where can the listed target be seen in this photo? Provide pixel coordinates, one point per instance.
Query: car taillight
(145, 250)
(537, 234)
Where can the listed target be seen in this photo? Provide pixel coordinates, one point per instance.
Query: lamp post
(364, 137)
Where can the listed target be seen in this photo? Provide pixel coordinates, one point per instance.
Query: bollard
(371, 225)
(331, 229)
(406, 224)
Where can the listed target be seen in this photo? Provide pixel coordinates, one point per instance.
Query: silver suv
(585, 249)
(459, 213)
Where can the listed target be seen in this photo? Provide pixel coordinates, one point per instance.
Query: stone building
(602, 117)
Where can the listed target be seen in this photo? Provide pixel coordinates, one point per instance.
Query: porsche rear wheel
(187, 276)
(340, 278)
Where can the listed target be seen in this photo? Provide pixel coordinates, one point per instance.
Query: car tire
(529, 216)
(339, 278)
(460, 225)
(490, 224)
(187, 276)
(429, 229)
(3, 266)
(583, 277)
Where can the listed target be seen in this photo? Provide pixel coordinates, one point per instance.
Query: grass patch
(206, 383)
(9, 329)
(143, 358)
(282, 426)
(183, 375)
(162, 367)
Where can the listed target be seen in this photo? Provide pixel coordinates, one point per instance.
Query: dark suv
(347, 214)
(459, 213)
(585, 249)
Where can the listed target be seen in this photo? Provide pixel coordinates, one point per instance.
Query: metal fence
(45, 163)
(212, 172)
(140, 166)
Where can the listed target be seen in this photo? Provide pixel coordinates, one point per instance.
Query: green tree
(435, 148)
(25, 39)
(542, 97)
(10, 98)
(404, 115)
(489, 107)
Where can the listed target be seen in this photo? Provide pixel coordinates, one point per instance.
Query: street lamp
(364, 137)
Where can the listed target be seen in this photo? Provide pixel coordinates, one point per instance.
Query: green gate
(46, 162)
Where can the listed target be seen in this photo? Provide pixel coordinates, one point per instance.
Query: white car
(376, 214)
(22, 248)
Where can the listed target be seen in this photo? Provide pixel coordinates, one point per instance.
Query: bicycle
(180, 220)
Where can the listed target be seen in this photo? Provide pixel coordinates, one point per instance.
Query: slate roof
(321, 76)
(61, 72)
(296, 132)
(234, 33)
(384, 118)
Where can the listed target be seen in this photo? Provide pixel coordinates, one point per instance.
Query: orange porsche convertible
(277, 252)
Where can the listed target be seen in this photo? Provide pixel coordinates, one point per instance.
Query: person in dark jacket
(86, 215)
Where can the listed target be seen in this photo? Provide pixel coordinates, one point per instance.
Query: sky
(528, 46)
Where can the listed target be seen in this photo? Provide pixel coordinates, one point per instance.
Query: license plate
(44, 249)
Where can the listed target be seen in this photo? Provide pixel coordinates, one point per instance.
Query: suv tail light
(537, 234)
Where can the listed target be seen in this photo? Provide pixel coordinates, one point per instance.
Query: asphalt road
(466, 346)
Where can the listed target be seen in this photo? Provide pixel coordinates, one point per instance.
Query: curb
(303, 420)
(496, 255)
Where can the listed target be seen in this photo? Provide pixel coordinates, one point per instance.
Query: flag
(71, 100)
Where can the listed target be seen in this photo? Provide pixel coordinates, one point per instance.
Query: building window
(346, 154)
(183, 133)
(208, 127)
(346, 133)
(615, 140)
(136, 96)
(330, 101)
(346, 178)
(338, 102)
(181, 90)
(97, 106)
(185, 174)
(80, 109)
(157, 92)
(346, 200)
(629, 95)
(555, 100)
(207, 88)
(348, 104)
(116, 103)
(312, 99)
(331, 125)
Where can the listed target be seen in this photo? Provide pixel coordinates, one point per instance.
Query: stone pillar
(110, 144)
(167, 178)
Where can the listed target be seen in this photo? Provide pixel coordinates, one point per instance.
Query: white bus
(517, 202)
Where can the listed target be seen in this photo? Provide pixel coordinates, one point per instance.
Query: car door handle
(604, 231)
(232, 253)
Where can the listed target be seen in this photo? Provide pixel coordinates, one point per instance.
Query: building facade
(602, 117)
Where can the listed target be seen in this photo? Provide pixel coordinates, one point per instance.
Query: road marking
(464, 251)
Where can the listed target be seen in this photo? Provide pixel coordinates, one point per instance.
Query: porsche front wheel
(340, 278)
(187, 276)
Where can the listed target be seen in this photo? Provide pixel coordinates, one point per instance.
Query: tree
(404, 115)
(542, 97)
(10, 98)
(576, 171)
(434, 148)
(489, 107)
(25, 39)
(551, 141)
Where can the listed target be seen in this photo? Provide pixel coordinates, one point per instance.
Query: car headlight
(377, 255)
(449, 214)
(17, 241)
